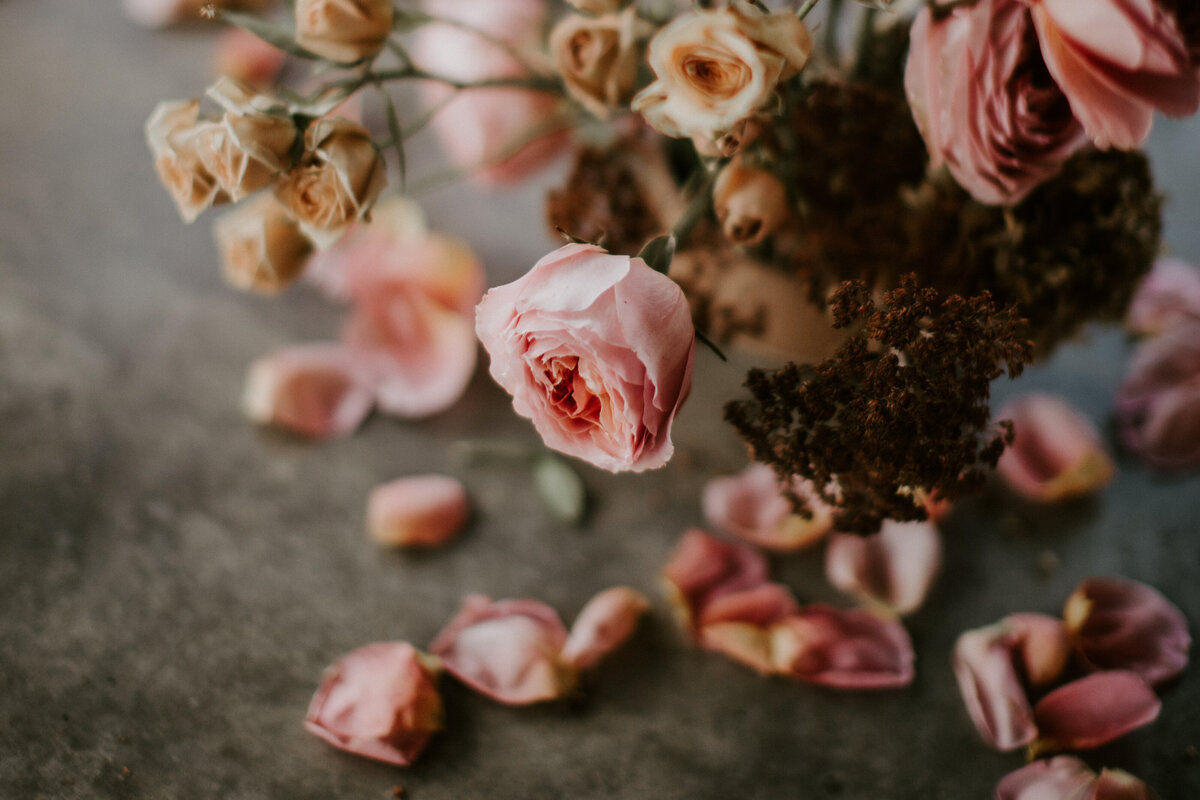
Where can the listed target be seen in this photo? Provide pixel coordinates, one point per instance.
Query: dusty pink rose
(1158, 402)
(842, 649)
(1056, 453)
(1116, 61)
(1092, 711)
(750, 506)
(419, 510)
(1169, 294)
(597, 350)
(605, 622)
(1068, 778)
(315, 390)
(984, 103)
(380, 701)
(893, 568)
(1117, 623)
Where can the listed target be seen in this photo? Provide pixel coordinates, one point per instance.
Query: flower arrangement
(949, 189)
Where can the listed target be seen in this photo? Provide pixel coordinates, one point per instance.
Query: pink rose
(597, 350)
(984, 103)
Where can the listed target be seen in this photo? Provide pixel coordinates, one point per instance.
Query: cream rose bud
(250, 145)
(344, 31)
(173, 132)
(750, 203)
(262, 248)
(336, 182)
(715, 68)
(598, 57)
(597, 350)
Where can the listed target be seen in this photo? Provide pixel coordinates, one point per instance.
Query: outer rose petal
(1158, 402)
(751, 507)
(379, 701)
(603, 625)
(507, 650)
(315, 390)
(1059, 778)
(420, 510)
(1056, 454)
(1122, 624)
(1093, 711)
(894, 567)
(842, 649)
(703, 569)
(1171, 292)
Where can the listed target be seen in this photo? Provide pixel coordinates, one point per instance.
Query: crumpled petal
(751, 507)
(1158, 403)
(1056, 453)
(507, 650)
(380, 701)
(418, 510)
(315, 390)
(704, 568)
(603, 625)
(739, 624)
(842, 649)
(1058, 778)
(1170, 293)
(1093, 710)
(1121, 624)
(893, 568)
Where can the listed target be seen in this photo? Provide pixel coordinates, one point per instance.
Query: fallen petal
(991, 688)
(893, 568)
(315, 390)
(603, 625)
(1059, 778)
(380, 701)
(739, 624)
(704, 568)
(1158, 403)
(1170, 292)
(1040, 642)
(750, 506)
(420, 510)
(1121, 624)
(842, 649)
(1056, 453)
(1117, 784)
(1093, 711)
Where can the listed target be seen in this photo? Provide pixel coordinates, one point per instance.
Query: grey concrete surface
(173, 581)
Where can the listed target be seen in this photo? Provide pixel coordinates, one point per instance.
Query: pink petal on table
(703, 568)
(315, 390)
(603, 625)
(739, 624)
(1059, 778)
(991, 688)
(1117, 784)
(1093, 711)
(1158, 403)
(1121, 624)
(750, 506)
(1169, 293)
(842, 649)
(1057, 453)
(417, 511)
(380, 701)
(507, 650)
(1040, 643)
(893, 568)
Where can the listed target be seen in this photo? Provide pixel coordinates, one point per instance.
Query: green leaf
(658, 253)
(561, 489)
(396, 132)
(270, 32)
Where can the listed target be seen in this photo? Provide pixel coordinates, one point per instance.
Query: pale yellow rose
(598, 57)
(262, 248)
(715, 68)
(336, 182)
(250, 145)
(174, 133)
(343, 30)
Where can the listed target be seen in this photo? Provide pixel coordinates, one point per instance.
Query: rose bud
(249, 147)
(603, 625)
(1092, 711)
(241, 55)
(751, 506)
(597, 350)
(598, 58)
(1115, 83)
(417, 511)
(842, 649)
(1056, 453)
(508, 650)
(1158, 402)
(317, 390)
(172, 132)
(1068, 778)
(336, 182)
(262, 249)
(741, 624)
(380, 701)
(893, 568)
(344, 31)
(1170, 293)
(1121, 624)
(750, 203)
(703, 569)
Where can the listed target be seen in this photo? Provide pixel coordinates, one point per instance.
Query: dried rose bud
(250, 145)
(893, 568)
(344, 31)
(703, 568)
(751, 506)
(750, 203)
(1057, 453)
(241, 55)
(603, 625)
(172, 132)
(1068, 778)
(262, 248)
(380, 701)
(1092, 711)
(842, 649)
(417, 511)
(1170, 293)
(315, 390)
(1121, 624)
(1158, 404)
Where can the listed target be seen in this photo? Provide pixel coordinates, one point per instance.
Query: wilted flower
(603, 625)
(752, 506)
(750, 203)
(262, 248)
(343, 30)
(314, 390)
(1158, 403)
(1092, 711)
(598, 58)
(893, 568)
(173, 132)
(1169, 294)
(417, 511)
(1068, 778)
(1056, 453)
(250, 145)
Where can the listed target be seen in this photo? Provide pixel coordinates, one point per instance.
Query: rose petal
(842, 649)
(420, 511)
(1170, 292)
(739, 624)
(1121, 624)
(314, 390)
(1056, 453)
(1093, 711)
(1158, 403)
(507, 650)
(1058, 778)
(894, 567)
(1040, 642)
(1116, 784)
(703, 568)
(380, 701)
(751, 507)
(991, 688)
(603, 625)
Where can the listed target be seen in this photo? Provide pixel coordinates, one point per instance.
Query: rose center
(715, 76)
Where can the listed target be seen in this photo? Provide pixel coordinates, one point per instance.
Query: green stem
(808, 6)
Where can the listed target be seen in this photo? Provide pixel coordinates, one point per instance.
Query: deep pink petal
(1116, 784)
(703, 568)
(1056, 453)
(894, 567)
(603, 625)
(417, 511)
(842, 649)
(1058, 778)
(751, 507)
(315, 390)
(1093, 711)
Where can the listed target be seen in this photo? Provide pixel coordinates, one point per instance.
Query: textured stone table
(173, 580)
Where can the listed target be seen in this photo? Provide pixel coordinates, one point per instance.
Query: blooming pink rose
(1056, 453)
(597, 350)
(983, 102)
(1117, 61)
(1158, 402)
